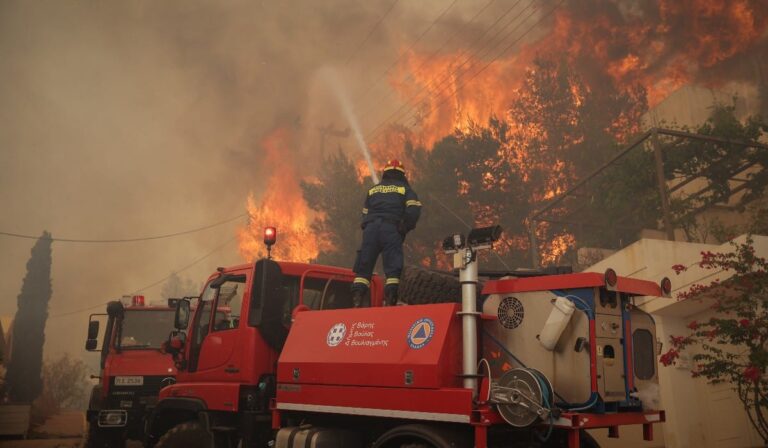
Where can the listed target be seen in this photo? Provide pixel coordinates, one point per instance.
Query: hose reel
(523, 396)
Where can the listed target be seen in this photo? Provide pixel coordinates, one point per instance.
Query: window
(319, 294)
(145, 329)
(228, 304)
(642, 352)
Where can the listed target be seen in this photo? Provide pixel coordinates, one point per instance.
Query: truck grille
(123, 397)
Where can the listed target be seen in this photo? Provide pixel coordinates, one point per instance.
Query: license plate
(129, 381)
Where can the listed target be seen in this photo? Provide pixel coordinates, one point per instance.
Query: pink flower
(693, 325)
(678, 268)
(669, 357)
(751, 373)
(744, 323)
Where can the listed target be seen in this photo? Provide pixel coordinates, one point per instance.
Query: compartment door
(610, 360)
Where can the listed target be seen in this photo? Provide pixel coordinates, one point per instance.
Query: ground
(63, 430)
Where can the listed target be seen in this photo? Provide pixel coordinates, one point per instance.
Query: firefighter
(391, 210)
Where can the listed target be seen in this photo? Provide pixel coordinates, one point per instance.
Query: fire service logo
(336, 334)
(421, 333)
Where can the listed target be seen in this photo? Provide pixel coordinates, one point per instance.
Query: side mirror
(93, 329)
(183, 311)
(91, 345)
(175, 343)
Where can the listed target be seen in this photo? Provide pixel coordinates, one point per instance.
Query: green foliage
(338, 196)
(65, 382)
(718, 163)
(558, 130)
(733, 346)
(23, 378)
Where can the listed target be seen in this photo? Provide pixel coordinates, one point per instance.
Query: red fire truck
(547, 357)
(133, 369)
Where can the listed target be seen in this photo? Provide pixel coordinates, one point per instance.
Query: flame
(281, 205)
(646, 51)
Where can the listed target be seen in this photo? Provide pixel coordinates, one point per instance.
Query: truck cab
(133, 369)
(227, 357)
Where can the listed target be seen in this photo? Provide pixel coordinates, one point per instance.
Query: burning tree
(733, 345)
(23, 379)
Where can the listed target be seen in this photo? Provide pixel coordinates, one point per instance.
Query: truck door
(216, 327)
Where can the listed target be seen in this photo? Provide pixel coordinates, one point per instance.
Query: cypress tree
(23, 377)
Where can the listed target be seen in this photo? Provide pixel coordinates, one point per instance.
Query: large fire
(282, 205)
(656, 46)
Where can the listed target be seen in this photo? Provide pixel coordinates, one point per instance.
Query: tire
(425, 436)
(103, 438)
(186, 435)
(420, 286)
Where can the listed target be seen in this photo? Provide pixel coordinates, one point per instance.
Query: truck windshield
(146, 329)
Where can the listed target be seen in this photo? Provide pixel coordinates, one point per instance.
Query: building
(698, 414)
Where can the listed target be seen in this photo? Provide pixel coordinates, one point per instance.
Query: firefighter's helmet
(394, 164)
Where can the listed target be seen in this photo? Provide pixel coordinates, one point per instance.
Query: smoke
(121, 119)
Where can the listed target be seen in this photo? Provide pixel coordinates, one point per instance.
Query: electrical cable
(418, 39)
(429, 58)
(411, 103)
(128, 240)
(370, 33)
(373, 135)
(155, 283)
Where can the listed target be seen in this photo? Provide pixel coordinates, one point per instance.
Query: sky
(131, 119)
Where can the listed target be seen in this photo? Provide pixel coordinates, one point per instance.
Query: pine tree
(23, 377)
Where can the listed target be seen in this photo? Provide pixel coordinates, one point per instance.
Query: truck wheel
(424, 436)
(186, 435)
(421, 286)
(103, 438)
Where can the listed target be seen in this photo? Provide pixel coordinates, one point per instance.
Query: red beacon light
(611, 278)
(137, 301)
(270, 237)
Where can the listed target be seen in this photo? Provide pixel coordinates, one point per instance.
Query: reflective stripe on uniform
(393, 281)
(362, 280)
(386, 189)
(412, 202)
(365, 211)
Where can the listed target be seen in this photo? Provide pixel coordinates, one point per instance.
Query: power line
(128, 240)
(370, 33)
(408, 107)
(155, 283)
(502, 52)
(434, 54)
(418, 39)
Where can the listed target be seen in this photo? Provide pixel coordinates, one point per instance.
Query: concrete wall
(698, 414)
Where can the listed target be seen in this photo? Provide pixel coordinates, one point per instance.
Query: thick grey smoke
(122, 119)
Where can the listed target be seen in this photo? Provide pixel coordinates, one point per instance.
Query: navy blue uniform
(391, 210)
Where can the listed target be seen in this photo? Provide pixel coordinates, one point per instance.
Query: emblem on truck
(336, 334)
(421, 333)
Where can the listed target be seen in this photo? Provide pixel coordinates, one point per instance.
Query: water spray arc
(332, 78)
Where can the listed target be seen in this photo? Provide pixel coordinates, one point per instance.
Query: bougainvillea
(732, 346)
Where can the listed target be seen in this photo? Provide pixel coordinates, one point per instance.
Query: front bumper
(112, 418)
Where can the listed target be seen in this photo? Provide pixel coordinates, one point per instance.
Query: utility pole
(330, 131)
(662, 184)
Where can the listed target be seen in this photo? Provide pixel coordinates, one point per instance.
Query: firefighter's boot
(390, 296)
(357, 298)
